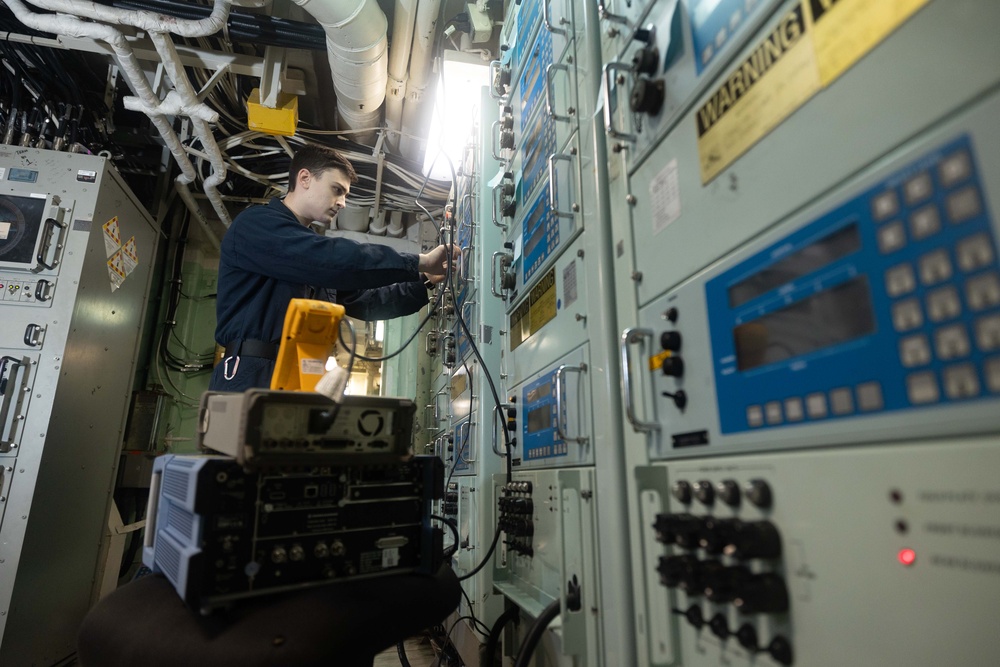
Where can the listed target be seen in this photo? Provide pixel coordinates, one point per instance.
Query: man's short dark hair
(318, 159)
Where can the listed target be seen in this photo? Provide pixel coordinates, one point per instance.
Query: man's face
(326, 193)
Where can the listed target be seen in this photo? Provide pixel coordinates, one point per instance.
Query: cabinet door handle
(33, 334)
(559, 388)
(51, 224)
(630, 336)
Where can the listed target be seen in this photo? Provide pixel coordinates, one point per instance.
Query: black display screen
(539, 392)
(832, 247)
(539, 419)
(830, 317)
(20, 224)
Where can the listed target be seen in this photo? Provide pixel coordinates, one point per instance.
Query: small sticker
(313, 367)
(38, 195)
(665, 192)
(4, 230)
(130, 255)
(112, 236)
(390, 557)
(82, 225)
(116, 271)
(569, 284)
(86, 176)
(22, 175)
(3, 172)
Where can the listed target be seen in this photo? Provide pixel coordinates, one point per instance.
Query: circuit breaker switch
(754, 539)
(647, 96)
(762, 594)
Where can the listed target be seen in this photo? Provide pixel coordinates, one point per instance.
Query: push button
(841, 401)
(955, 168)
(922, 388)
(914, 351)
(891, 238)
(906, 315)
(900, 280)
(793, 409)
(885, 205)
(925, 222)
(992, 372)
(772, 411)
(964, 205)
(870, 396)
(755, 416)
(918, 188)
(983, 291)
(943, 304)
(816, 405)
(961, 382)
(975, 252)
(935, 267)
(988, 333)
(951, 342)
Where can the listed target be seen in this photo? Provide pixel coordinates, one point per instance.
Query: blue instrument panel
(538, 424)
(537, 144)
(461, 458)
(715, 23)
(889, 302)
(528, 18)
(531, 88)
(539, 234)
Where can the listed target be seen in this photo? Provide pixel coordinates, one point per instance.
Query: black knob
(729, 492)
(642, 35)
(754, 539)
(647, 61)
(781, 650)
(747, 637)
(719, 626)
(508, 280)
(509, 208)
(681, 491)
(670, 340)
(647, 96)
(762, 594)
(508, 189)
(506, 139)
(675, 569)
(679, 529)
(507, 123)
(758, 492)
(505, 76)
(693, 615)
(522, 505)
(704, 492)
(511, 413)
(715, 534)
(680, 398)
(671, 315)
(724, 583)
(673, 366)
(510, 246)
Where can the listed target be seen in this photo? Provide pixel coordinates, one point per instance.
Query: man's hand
(436, 262)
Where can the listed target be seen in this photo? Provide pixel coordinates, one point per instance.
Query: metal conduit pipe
(158, 25)
(356, 42)
(415, 109)
(399, 57)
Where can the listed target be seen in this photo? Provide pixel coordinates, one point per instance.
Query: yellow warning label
(656, 361)
(534, 312)
(775, 80)
(459, 383)
(810, 47)
(845, 30)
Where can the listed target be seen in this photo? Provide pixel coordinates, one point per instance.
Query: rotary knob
(673, 366)
(715, 534)
(647, 96)
(670, 340)
(675, 569)
(723, 583)
(704, 492)
(681, 491)
(762, 594)
(758, 492)
(754, 539)
(647, 61)
(729, 492)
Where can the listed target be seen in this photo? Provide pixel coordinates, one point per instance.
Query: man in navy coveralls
(270, 255)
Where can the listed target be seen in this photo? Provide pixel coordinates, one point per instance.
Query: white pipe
(356, 43)
(396, 228)
(142, 19)
(403, 20)
(415, 109)
(173, 105)
(353, 218)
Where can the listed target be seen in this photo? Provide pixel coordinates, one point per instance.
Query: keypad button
(772, 412)
(918, 188)
(975, 252)
(793, 409)
(935, 267)
(952, 342)
(816, 405)
(870, 396)
(964, 204)
(885, 205)
(914, 351)
(922, 388)
(955, 168)
(891, 237)
(943, 304)
(755, 416)
(961, 381)
(900, 280)
(982, 291)
(906, 315)
(988, 333)
(925, 222)
(841, 401)
(992, 371)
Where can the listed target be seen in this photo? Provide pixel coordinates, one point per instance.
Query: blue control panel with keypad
(889, 302)
(538, 430)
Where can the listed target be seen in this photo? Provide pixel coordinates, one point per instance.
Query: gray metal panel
(74, 429)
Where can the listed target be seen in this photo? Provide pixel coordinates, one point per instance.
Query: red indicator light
(907, 557)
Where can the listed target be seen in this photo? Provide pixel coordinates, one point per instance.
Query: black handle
(3, 369)
(29, 332)
(50, 225)
(42, 292)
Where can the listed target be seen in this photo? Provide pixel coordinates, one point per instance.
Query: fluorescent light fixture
(455, 109)
(380, 331)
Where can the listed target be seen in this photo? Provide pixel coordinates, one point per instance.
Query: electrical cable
(493, 639)
(454, 532)
(447, 637)
(401, 652)
(535, 632)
